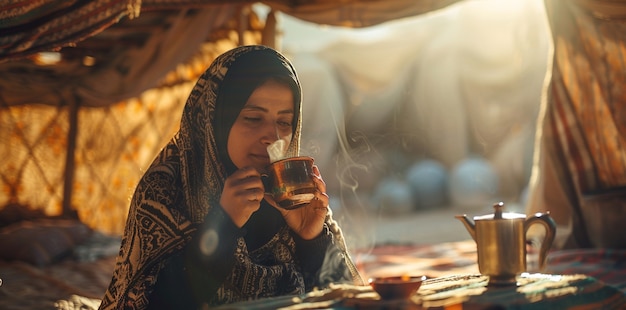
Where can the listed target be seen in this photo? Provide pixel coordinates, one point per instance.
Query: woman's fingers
(242, 195)
(254, 194)
(248, 185)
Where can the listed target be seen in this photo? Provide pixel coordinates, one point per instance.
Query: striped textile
(28, 27)
(580, 167)
(587, 103)
(606, 265)
(533, 291)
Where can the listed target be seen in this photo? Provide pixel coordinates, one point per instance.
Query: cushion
(41, 241)
(16, 212)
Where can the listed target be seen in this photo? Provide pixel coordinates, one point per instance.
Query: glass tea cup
(289, 181)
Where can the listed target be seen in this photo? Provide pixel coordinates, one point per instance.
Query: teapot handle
(548, 223)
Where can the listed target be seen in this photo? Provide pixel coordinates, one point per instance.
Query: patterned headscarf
(211, 110)
(161, 219)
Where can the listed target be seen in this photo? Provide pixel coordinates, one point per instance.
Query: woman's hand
(307, 221)
(242, 194)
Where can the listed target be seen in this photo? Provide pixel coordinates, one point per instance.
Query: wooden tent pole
(244, 15)
(72, 133)
(268, 36)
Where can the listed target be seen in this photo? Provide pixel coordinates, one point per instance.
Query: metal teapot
(501, 242)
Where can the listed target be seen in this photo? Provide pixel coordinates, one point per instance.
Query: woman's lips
(261, 158)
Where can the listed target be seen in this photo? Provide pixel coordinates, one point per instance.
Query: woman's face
(267, 115)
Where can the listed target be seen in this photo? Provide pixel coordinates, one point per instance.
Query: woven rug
(460, 258)
(433, 261)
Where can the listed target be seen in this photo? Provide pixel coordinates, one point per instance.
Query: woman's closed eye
(284, 124)
(252, 119)
(257, 120)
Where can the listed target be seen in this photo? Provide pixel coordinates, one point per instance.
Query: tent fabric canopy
(114, 50)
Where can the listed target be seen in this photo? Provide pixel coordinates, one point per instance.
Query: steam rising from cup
(278, 149)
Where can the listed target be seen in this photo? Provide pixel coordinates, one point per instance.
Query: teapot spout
(469, 225)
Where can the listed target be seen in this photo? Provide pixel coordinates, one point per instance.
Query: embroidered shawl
(157, 224)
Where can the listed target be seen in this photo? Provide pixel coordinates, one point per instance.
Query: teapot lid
(499, 215)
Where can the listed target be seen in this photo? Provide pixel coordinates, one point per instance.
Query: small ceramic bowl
(400, 287)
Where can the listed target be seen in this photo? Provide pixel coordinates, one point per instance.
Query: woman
(200, 230)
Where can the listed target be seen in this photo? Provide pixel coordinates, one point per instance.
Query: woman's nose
(270, 134)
